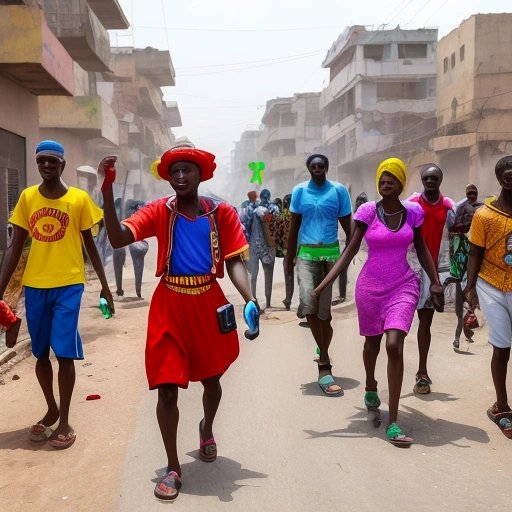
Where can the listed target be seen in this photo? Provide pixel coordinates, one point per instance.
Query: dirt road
(282, 445)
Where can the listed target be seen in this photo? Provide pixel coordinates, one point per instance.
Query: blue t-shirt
(191, 251)
(320, 207)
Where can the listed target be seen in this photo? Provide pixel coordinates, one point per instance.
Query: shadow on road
(214, 479)
(433, 396)
(18, 440)
(425, 430)
(312, 388)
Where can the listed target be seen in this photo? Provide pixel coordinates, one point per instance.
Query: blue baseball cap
(50, 148)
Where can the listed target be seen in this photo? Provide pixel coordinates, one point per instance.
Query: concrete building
(474, 102)
(380, 100)
(244, 152)
(134, 93)
(84, 122)
(60, 79)
(291, 130)
(33, 63)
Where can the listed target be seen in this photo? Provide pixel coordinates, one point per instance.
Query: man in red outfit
(191, 326)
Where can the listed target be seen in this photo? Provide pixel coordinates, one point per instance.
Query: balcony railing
(80, 32)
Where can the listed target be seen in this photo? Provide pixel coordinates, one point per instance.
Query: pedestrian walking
(261, 246)
(387, 289)
(191, 332)
(59, 219)
(282, 229)
(436, 208)
(316, 208)
(137, 250)
(458, 225)
(490, 284)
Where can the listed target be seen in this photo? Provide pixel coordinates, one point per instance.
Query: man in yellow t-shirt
(490, 276)
(58, 219)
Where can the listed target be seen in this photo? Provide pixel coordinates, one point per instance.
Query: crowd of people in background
(408, 243)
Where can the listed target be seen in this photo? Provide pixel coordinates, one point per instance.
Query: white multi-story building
(380, 102)
(291, 130)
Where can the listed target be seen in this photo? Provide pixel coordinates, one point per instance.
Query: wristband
(106, 177)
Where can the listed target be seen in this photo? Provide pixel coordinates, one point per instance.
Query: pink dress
(387, 289)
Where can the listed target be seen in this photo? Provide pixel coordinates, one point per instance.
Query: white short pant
(497, 308)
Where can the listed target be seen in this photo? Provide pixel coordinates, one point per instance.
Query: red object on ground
(93, 397)
(7, 316)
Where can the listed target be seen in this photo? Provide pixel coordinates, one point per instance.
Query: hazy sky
(231, 56)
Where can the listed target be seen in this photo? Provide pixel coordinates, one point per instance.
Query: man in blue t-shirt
(316, 208)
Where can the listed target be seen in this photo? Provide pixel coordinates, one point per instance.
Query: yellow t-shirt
(55, 225)
(492, 229)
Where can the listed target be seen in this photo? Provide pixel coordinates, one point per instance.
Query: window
(445, 64)
(402, 90)
(288, 119)
(412, 51)
(352, 141)
(453, 60)
(341, 149)
(13, 189)
(373, 51)
(462, 52)
(341, 108)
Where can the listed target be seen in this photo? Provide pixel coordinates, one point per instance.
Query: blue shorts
(52, 320)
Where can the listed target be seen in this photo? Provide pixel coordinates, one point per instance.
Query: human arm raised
(119, 235)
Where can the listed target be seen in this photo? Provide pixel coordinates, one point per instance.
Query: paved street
(282, 445)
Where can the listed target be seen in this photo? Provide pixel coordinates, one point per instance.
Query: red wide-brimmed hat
(205, 161)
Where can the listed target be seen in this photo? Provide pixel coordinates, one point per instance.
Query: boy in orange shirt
(490, 276)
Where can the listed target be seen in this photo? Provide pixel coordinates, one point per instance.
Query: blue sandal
(327, 381)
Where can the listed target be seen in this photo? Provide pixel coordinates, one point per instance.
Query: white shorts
(497, 308)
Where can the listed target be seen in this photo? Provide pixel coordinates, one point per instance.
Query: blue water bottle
(105, 308)
(252, 319)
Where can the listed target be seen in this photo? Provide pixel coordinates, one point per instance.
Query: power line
(249, 30)
(283, 61)
(165, 25)
(252, 61)
(417, 12)
(435, 12)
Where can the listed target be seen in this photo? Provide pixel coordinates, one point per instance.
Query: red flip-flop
(61, 442)
(168, 487)
(502, 419)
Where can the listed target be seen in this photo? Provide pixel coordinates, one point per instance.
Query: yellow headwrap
(394, 166)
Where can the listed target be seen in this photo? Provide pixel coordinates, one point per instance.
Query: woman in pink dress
(387, 289)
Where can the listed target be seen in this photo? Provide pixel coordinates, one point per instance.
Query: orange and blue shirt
(179, 236)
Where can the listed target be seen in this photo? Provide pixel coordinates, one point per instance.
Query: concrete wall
(457, 82)
(74, 153)
(20, 115)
